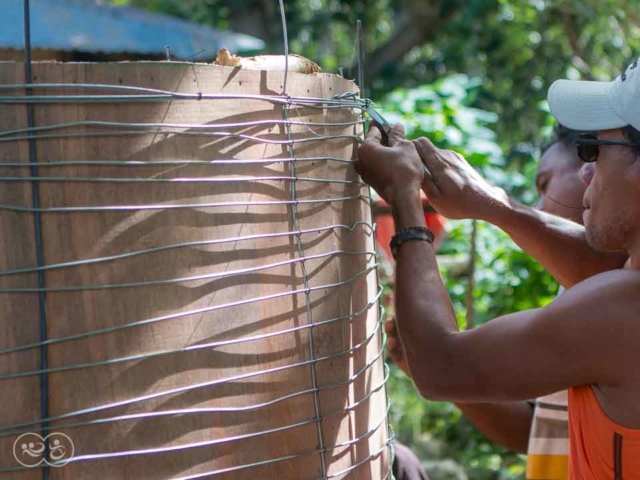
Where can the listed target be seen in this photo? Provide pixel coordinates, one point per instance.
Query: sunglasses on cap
(589, 146)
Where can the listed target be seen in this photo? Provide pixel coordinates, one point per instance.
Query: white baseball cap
(582, 105)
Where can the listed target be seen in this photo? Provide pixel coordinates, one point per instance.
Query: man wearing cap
(586, 340)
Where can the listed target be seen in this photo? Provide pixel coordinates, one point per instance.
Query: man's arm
(515, 357)
(558, 244)
(507, 424)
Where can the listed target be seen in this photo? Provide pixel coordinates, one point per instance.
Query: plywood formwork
(218, 406)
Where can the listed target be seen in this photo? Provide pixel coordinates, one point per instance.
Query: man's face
(558, 183)
(612, 197)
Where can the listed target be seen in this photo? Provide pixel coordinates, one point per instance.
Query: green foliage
(519, 48)
(506, 279)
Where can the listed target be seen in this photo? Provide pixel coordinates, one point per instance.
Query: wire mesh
(291, 180)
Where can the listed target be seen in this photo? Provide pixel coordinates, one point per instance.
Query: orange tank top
(600, 449)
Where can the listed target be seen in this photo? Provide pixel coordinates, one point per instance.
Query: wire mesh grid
(290, 163)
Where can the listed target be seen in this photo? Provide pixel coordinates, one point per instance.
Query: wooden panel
(20, 320)
(177, 312)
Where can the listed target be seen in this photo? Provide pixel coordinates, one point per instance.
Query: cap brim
(583, 105)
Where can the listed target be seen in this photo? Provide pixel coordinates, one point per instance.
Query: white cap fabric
(597, 105)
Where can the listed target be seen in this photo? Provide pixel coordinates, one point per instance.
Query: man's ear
(633, 136)
(633, 171)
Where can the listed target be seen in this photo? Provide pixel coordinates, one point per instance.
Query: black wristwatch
(407, 235)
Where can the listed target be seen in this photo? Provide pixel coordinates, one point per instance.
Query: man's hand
(456, 190)
(394, 346)
(391, 170)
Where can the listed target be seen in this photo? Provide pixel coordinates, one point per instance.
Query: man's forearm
(507, 424)
(425, 317)
(559, 245)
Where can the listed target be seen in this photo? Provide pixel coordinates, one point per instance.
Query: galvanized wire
(185, 162)
(295, 232)
(142, 94)
(296, 225)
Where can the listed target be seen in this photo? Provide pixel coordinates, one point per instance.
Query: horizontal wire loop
(125, 208)
(133, 358)
(197, 311)
(187, 411)
(171, 281)
(222, 241)
(151, 163)
(201, 385)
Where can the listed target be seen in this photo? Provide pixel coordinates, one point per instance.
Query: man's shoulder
(598, 322)
(622, 284)
(609, 297)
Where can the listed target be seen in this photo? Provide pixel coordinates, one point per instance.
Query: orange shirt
(600, 448)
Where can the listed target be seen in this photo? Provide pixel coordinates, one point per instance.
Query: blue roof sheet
(94, 26)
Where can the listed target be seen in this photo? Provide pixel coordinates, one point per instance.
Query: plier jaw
(378, 119)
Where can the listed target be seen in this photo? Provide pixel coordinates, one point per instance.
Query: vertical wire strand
(295, 224)
(381, 310)
(285, 35)
(35, 195)
(360, 54)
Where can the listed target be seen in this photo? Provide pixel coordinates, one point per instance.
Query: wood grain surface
(177, 312)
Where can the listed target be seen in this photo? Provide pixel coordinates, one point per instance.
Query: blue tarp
(94, 26)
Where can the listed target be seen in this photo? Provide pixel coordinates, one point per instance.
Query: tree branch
(418, 26)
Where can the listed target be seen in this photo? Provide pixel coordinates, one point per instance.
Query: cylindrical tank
(198, 253)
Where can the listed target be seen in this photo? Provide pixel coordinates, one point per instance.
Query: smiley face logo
(55, 450)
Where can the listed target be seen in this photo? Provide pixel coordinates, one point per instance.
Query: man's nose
(587, 173)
